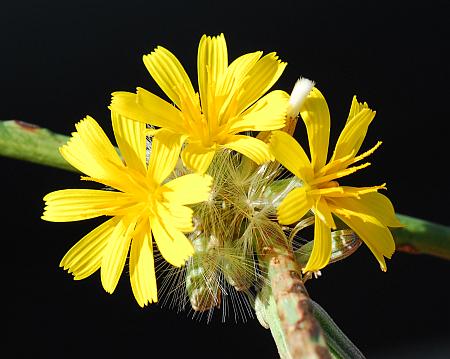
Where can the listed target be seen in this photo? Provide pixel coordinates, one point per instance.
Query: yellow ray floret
(231, 100)
(367, 212)
(143, 205)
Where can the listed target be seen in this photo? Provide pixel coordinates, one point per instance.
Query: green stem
(422, 237)
(339, 344)
(267, 314)
(287, 309)
(24, 141)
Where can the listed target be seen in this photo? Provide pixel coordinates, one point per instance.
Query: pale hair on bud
(302, 88)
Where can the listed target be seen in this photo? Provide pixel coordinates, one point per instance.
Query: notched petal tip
(156, 50)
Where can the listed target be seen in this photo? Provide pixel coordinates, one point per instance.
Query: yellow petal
(260, 79)
(294, 206)
(142, 269)
(229, 85)
(115, 254)
(147, 108)
(166, 147)
(159, 112)
(373, 233)
(329, 192)
(345, 191)
(257, 150)
(373, 204)
(355, 108)
(78, 204)
(336, 165)
(132, 142)
(291, 155)
(85, 257)
(267, 114)
(236, 73)
(188, 189)
(197, 157)
(150, 132)
(334, 175)
(352, 136)
(173, 245)
(169, 74)
(90, 151)
(322, 211)
(176, 216)
(316, 116)
(321, 253)
(212, 62)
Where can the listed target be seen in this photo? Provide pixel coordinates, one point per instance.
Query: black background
(61, 60)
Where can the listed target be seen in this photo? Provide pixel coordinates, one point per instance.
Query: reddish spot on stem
(407, 248)
(27, 126)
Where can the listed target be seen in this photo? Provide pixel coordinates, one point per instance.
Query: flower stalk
(24, 141)
(422, 237)
(287, 309)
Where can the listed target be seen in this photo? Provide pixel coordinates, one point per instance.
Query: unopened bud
(202, 274)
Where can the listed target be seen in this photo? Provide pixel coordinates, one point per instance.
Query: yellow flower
(141, 205)
(229, 102)
(367, 212)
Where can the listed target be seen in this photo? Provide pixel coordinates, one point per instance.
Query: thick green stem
(422, 237)
(24, 141)
(287, 308)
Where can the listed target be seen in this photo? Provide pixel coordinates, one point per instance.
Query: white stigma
(301, 90)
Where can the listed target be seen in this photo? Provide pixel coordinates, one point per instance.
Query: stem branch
(28, 142)
(422, 237)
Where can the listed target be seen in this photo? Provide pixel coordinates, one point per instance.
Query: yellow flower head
(229, 102)
(367, 212)
(141, 205)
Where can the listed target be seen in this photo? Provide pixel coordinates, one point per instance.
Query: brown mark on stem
(407, 248)
(27, 126)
